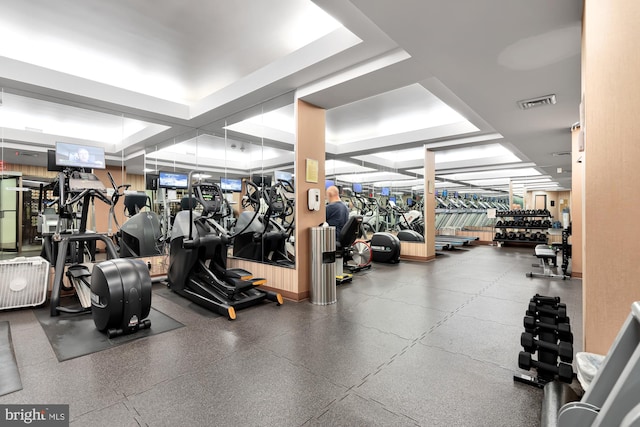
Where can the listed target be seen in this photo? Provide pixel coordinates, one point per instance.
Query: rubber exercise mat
(73, 336)
(9, 374)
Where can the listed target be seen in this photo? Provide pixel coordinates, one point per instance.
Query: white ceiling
(171, 79)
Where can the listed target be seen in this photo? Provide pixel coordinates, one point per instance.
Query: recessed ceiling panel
(398, 111)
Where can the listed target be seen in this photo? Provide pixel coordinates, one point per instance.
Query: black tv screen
(230, 184)
(262, 180)
(79, 156)
(357, 188)
(51, 162)
(151, 182)
(173, 180)
(283, 176)
(384, 191)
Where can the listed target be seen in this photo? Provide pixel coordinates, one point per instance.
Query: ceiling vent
(526, 104)
(561, 153)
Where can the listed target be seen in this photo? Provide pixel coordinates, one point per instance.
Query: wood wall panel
(409, 250)
(577, 182)
(310, 144)
(611, 173)
(278, 278)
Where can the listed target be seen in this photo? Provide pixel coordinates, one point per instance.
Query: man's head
(332, 194)
(83, 155)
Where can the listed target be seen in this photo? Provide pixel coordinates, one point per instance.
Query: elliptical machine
(259, 236)
(198, 261)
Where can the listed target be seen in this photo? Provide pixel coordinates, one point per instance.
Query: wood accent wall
(310, 144)
(429, 204)
(280, 279)
(577, 182)
(611, 174)
(413, 250)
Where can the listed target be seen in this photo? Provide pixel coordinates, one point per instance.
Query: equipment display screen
(328, 183)
(173, 180)
(357, 188)
(384, 191)
(392, 199)
(409, 201)
(79, 156)
(230, 184)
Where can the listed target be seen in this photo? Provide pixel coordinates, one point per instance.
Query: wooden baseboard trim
(416, 258)
(577, 275)
(291, 296)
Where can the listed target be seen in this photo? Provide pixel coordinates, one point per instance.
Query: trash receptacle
(323, 265)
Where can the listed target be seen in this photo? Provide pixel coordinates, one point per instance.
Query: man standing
(337, 211)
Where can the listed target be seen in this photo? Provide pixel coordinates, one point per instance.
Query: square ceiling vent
(526, 104)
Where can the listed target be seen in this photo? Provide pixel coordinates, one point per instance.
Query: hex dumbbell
(560, 312)
(563, 349)
(563, 330)
(564, 371)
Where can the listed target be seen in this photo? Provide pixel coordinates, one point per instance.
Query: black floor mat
(75, 335)
(9, 374)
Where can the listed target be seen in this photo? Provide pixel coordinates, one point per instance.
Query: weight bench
(548, 256)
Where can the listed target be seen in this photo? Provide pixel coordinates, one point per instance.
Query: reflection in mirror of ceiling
(372, 177)
(29, 114)
(152, 52)
(334, 167)
(401, 110)
(498, 173)
(280, 120)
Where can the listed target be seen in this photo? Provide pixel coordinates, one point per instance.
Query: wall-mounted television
(357, 188)
(328, 183)
(51, 162)
(384, 191)
(151, 182)
(409, 201)
(79, 156)
(283, 176)
(261, 180)
(230, 184)
(175, 180)
(392, 199)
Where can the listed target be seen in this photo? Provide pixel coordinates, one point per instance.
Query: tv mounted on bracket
(173, 180)
(230, 184)
(79, 156)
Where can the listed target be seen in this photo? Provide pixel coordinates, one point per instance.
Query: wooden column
(611, 174)
(577, 183)
(430, 203)
(310, 145)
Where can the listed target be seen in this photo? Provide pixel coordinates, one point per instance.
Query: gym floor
(428, 344)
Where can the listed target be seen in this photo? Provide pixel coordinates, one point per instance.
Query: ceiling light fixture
(526, 104)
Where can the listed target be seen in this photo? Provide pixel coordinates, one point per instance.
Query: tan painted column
(576, 205)
(310, 145)
(611, 230)
(429, 203)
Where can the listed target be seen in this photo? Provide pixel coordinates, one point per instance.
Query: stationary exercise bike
(198, 259)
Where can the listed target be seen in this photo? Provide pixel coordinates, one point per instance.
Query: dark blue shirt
(337, 216)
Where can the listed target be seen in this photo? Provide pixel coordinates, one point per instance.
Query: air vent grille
(526, 104)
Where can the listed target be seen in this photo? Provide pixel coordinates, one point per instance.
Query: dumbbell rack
(546, 319)
(522, 226)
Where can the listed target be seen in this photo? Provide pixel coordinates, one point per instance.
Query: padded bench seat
(545, 252)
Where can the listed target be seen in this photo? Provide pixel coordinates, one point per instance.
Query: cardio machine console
(79, 181)
(209, 196)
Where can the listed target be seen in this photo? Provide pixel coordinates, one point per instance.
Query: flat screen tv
(51, 162)
(175, 180)
(230, 184)
(384, 191)
(392, 199)
(357, 188)
(409, 201)
(283, 176)
(328, 183)
(262, 180)
(79, 156)
(151, 182)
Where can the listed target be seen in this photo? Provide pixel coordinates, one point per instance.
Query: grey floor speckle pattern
(414, 344)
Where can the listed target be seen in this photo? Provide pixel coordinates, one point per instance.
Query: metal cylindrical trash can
(323, 265)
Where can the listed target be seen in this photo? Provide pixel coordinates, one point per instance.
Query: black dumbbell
(563, 349)
(542, 299)
(562, 329)
(560, 312)
(563, 370)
